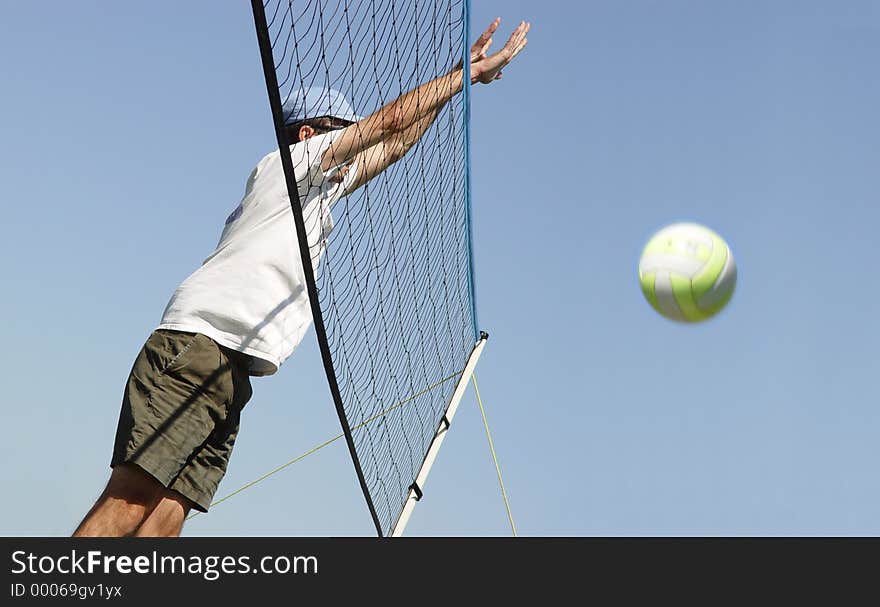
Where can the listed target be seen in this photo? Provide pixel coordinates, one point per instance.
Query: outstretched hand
(481, 44)
(485, 68)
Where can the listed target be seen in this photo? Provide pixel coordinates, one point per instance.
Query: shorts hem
(148, 465)
(193, 494)
(184, 488)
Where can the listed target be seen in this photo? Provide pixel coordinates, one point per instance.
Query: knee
(130, 484)
(166, 519)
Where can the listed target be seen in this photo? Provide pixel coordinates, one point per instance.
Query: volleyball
(687, 272)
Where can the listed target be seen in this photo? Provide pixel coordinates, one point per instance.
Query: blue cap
(315, 102)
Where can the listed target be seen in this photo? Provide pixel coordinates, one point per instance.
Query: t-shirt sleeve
(313, 152)
(306, 156)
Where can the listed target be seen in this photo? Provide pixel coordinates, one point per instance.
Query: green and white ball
(687, 272)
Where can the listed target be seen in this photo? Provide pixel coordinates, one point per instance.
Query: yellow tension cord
(494, 457)
(327, 442)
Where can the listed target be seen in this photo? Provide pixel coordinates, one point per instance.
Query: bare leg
(130, 496)
(166, 519)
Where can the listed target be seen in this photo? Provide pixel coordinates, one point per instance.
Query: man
(244, 311)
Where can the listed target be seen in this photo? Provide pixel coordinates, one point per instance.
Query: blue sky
(129, 130)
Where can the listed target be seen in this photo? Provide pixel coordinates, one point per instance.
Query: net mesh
(394, 285)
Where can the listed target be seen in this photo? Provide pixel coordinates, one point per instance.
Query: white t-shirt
(250, 295)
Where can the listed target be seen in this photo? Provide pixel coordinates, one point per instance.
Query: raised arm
(391, 119)
(386, 129)
(376, 158)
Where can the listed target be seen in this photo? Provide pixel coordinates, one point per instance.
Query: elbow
(392, 121)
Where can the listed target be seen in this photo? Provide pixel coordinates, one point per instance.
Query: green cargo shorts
(181, 411)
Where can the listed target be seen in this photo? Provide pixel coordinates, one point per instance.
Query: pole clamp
(417, 490)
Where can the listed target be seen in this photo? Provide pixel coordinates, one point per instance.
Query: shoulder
(317, 144)
(308, 155)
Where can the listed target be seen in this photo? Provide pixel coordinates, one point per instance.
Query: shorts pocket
(167, 350)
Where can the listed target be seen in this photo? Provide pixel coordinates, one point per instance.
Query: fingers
(489, 30)
(482, 44)
(485, 48)
(478, 50)
(517, 40)
(488, 68)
